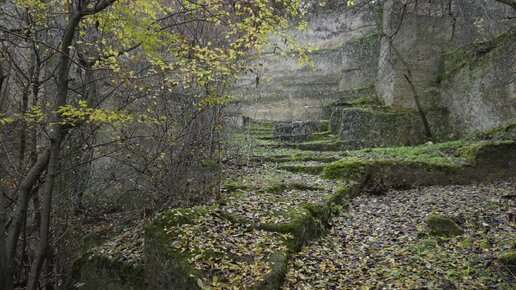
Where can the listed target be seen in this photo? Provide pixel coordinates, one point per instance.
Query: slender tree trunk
(408, 77)
(5, 275)
(22, 203)
(56, 136)
(428, 133)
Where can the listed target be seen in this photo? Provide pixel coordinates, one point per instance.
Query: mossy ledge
(471, 162)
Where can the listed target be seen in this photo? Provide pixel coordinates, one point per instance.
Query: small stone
(439, 225)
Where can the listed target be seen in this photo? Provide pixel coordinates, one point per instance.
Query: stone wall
(345, 58)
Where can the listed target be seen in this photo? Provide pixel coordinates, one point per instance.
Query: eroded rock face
(438, 45)
(423, 32)
(453, 53)
(479, 86)
(346, 54)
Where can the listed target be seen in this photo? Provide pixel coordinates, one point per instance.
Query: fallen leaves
(380, 243)
(229, 255)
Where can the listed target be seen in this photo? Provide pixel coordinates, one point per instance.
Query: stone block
(296, 130)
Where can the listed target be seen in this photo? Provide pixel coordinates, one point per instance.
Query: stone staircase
(288, 196)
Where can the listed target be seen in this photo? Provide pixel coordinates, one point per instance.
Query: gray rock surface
(367, 54)
(479, 87)
(380, 127)
(296, 130)
(346, 55)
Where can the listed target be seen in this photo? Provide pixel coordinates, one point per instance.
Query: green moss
(293, 155)
(321, 212)
(508, 258)
(471, 151)
(477, 54)
(278, 187)
(261, 126)
(345, 193)
(505, 132)
(468, 242)
(365, 101)
(236, 186)
(439, 225)
(370, 37)
(303, 228)
(318, 136)
(485, 244)
(333, 144)
(324, 126)
(347, 169)
(156, 229)
(448, 153)
(301, 168)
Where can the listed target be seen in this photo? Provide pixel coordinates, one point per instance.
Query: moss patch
(303, 168)
(509, 258)
(439, 225)
(445, 163)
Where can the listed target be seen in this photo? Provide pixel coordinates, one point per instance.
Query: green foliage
(154, 32)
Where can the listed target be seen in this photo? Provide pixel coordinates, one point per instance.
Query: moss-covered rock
(509, 258)
(347, 169)
(201, 248)
(314, 169)
(457, 162)
(235, 186)
(439, 225)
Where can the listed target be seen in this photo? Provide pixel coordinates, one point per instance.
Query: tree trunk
(428, 133)
(5, 275)
(22, 204)
(56, 136)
